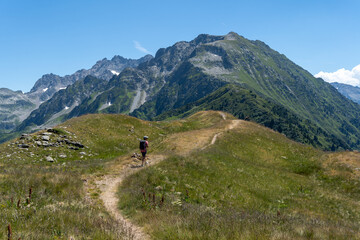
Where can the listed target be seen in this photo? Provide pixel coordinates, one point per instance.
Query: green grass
(252, 184)
(59, 205)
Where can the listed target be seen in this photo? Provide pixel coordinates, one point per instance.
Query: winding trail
(109, 184)
(233, 124)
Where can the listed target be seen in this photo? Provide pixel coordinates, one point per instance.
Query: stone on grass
(23, 145)
(45, 138)
(49, 159)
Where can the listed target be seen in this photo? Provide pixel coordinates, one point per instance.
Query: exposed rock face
(351, 92)
(105, 69)
(187, 72)
(17, 106)
(14, 108)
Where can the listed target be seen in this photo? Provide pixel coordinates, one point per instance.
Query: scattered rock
(62, 156)
(76, 144)
(51, 130)
(83, 153)
(24, 136)
(73, 148)
(49, 159)
(135, 155)
(23, 145)
(39, 143)
(45, 138)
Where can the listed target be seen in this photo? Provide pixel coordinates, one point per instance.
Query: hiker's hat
(146, 137)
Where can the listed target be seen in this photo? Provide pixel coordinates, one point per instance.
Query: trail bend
(109, 184)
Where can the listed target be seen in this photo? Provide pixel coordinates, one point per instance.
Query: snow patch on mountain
(114, 72)
(106, 105)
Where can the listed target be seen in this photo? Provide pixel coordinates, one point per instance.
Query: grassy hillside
(251, 183)
(64, 202)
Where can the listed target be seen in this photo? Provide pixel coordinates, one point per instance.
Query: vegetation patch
(252, 183)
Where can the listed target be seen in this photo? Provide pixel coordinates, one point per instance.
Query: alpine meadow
(242, 144)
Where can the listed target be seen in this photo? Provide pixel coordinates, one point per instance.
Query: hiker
(144, 144)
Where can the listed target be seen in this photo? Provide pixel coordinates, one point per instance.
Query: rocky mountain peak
(206, 38)
(232, 36)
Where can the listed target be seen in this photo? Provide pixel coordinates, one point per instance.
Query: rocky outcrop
(351, 92)
(104, 69)
(15, 107)
(50, 138)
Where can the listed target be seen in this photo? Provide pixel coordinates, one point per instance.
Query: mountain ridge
(189, 71)
(349, 91)
(49, 84)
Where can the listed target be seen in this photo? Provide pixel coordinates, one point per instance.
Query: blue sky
(60, 37)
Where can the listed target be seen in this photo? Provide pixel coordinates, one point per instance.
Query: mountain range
(16, 106)
(349, 91)
(231, 73)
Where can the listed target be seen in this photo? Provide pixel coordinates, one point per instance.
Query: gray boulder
(45, 138)
(23, 145)
(49, 159)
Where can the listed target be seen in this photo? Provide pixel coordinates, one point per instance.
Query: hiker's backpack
(142, 144)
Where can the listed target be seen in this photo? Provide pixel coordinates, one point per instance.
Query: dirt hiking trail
(184, 144)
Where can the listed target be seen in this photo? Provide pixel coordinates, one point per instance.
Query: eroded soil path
(108, 185)
(184, 144)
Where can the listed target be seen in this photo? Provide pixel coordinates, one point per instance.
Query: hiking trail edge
(109, 184)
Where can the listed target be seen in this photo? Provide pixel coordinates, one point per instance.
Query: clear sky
(60, 37)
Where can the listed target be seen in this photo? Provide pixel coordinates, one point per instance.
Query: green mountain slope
(188, 71)
(245, 104)
(63, 197)
(251, 183)
(255, 66)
